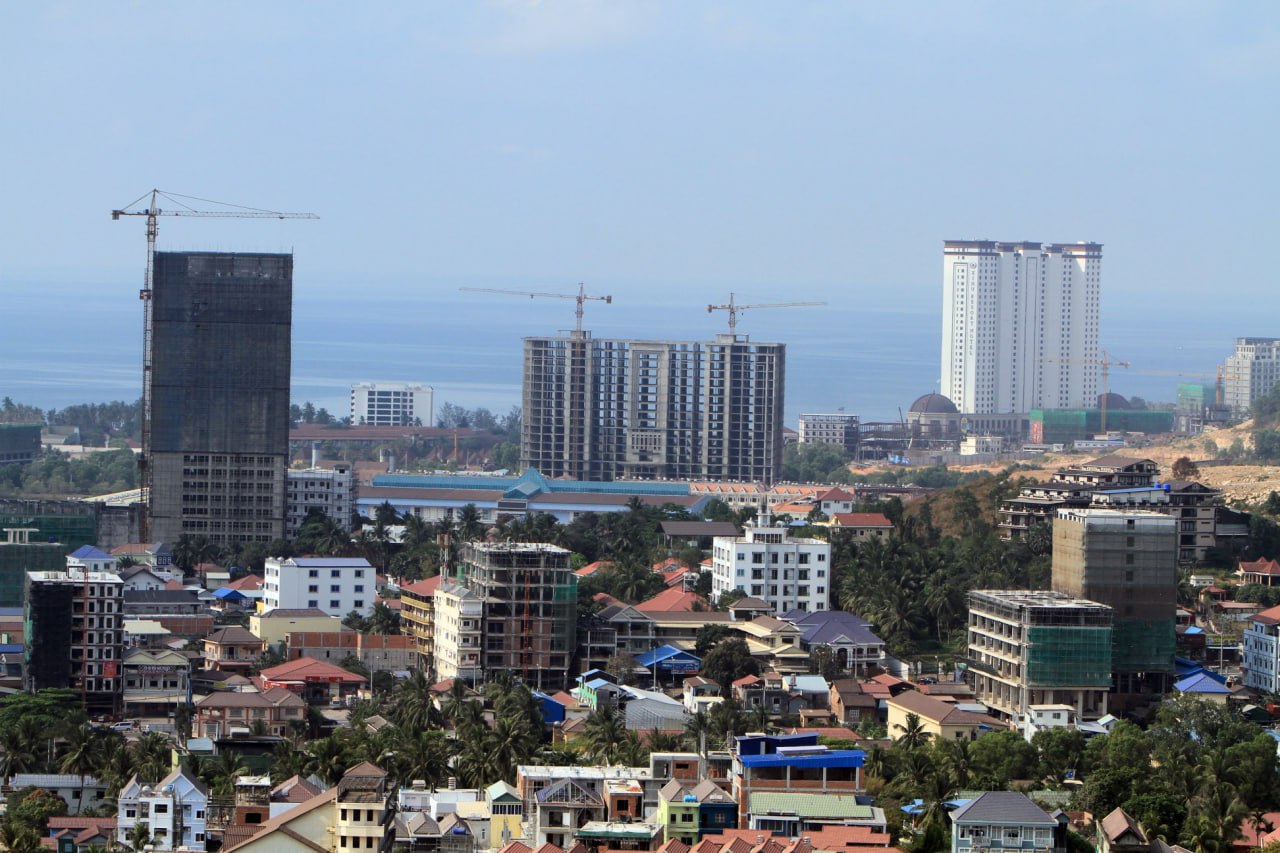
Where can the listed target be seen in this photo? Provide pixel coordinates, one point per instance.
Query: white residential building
(1262, 651)
(459, 633)
(173, 810)
(391, 404)
(336, 585)
(767, 562)
(1251, 371)
(1020, 325)
(329, 490)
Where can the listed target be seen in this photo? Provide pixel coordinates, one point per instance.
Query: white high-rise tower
(1020, 325)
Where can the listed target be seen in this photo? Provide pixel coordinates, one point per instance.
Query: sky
(662, 152)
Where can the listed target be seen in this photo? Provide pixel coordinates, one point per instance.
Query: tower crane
(152, 211)
(1105, 363)
(580, 297)
(733, 308)
(1220, 375)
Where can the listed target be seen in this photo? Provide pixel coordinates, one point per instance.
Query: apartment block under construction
(1127, 560)
(597, 409)
(219, 391)
(526, 619)
(1028, 648)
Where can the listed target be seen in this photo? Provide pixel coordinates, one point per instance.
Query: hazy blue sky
(786, 150)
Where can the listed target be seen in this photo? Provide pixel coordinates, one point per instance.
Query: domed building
(933, 417)
(1114, 402)
(933, 404)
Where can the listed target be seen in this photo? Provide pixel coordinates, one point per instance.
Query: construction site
(1039, 648)
(529, 595)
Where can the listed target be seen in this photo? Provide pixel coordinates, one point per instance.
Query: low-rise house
(180, 611)
(141, 577)
(700, 694)
(376, 652)
(849, 637)
(1005, 820)
(76, 833)
(317, 682)
(850, 704)
(861, 526)
(940, 720)
(80, 793)
(607, 836)
(232, 649)
(274, 627)
(1260, 571)
(157, 555)
(790, 814)
(1204, 686)
(1120, 833)
(155, 681)
(230, 713)
(173, 810)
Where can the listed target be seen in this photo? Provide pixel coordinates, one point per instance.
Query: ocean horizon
(81, 343)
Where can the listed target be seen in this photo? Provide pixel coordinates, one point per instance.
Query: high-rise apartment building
(219, 431)
(598, 409)
(1020, 325)
(1251, 372)
(330, 491)
(1127, 560)
(391, 404)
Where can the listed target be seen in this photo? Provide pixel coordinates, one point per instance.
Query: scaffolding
(1068, 657)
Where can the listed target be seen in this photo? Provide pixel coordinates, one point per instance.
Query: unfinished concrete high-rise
(219, 431)
(514, 607)
(1127, 560)
(598, 409)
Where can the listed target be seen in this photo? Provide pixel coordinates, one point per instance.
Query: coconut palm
(603, 734)
(412, 706)
(151, 754)
(81, 754)
(914, 735)
(696, 730)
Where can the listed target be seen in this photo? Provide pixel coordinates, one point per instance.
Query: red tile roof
(673, 599)
(248, 583)
(861, 519)
(310, 669)
(1261, 566)
(836, 494)
(424, 588)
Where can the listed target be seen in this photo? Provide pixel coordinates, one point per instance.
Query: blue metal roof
(88, 552)
(818, 759)
(1203, 683)
(663, 653)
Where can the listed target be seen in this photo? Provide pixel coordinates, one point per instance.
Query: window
(313, 573)
(313, 588)
(334, 573)
(313, 603)
(359, 587)
(161, 808)
(335, 588)
(334, 603)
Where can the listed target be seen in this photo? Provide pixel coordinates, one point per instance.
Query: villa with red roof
(1260, 571)
(861, 525)
(314, 680)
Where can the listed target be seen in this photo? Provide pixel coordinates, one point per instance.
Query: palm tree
(476, 764)
(696, 729)
(18, 755)
(957, 756)
(82, 754)
(914, 735)
(152, 756)
(470, 527)
(412, 706)
(18, 837)
(139, 836)
(603, 734)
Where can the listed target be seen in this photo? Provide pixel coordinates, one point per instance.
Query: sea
(63, 343)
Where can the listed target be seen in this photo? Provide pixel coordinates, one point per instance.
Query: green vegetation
(56, 475)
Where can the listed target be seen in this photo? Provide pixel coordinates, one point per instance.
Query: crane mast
(733, 308)
(152, 212)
